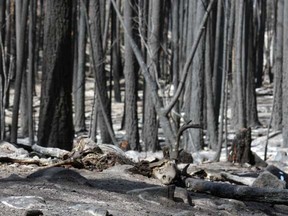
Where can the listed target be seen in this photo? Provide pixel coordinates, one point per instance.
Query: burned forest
(143, 107)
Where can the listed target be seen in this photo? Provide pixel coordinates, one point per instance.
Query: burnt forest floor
(116, 191)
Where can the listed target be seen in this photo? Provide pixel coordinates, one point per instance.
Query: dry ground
(115, 191)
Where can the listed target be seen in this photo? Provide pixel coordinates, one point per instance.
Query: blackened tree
(55, 121)
(131, 77)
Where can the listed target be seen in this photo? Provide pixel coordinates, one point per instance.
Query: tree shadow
(118, 185)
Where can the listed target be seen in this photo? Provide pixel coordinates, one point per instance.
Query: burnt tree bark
(116, 55)
(175, 49)
(3, 73)
(96, 43)
(150, 124)
(285, 77)
(190, 28)
(210, 102)
(80, 74)
(240, 151)
(217, 64)
(131, 79)
(197, 84)
(55, 121)
(239, 120)
(31, 68)
(251, 43)
(227, 52)
(21, 18)
(21, 12)
(277, 67)
(260, 44)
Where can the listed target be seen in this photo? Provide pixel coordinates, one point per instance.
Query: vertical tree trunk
(251, 65)
(20, 41)
(75, 30)
(31, 70)
(277, 67)
(116, 55)
(2, 72)
(197, 84)
(143, 30)
(211, 120)
(285, 77)
(238, 90)
(80, 74)
(227, 38)
(106, 25)
(217, 64)
(102, 15)
(96, 43)
(11, 49)
(39, 37)
(131, 79)
(261, 17)
(55, 121)
(24, 93)
(150, 126)
(175, 56)
(189, 30)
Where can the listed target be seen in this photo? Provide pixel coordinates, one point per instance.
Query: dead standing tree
(131, 79)
(150, 124)
(99, 71)
(116, 63)
(30, 74)
(79, 82)
(3, 73)
(20, 36)
(55, 121)
(285, 77)
(277, 67)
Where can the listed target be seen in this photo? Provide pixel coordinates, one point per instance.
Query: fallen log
(239, 192)
(52, 152)
(23, 161)
(238, 179)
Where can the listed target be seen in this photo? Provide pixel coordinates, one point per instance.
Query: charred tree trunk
(3, 72)
(251, 66)
(21, 12)
(285, 77)
(30, 73)
(116, 56)
(197, 84)
(261, 19)
(277, 67)
(217, 64)
(175, 57)
(239, 120)
(210, 111)
(240, 151)
(55, 121)
(131, 79)
(150, 125)
(96, 43)
(189, 35)
(80, 75)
